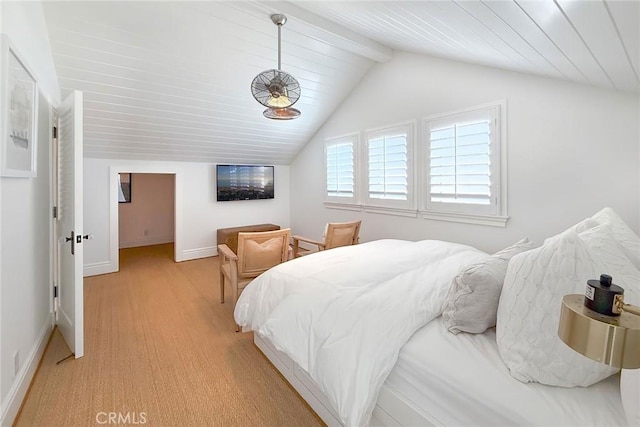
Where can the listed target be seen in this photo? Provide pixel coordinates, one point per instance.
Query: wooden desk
(229, 236)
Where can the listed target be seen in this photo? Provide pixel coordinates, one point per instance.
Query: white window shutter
(388, 167)
(340, 170)
(341, 186)
(463, 162)
(460, 163)
(389, 174)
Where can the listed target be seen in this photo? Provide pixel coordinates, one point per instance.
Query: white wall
(25, 284)
(149, 218)
(572, 149)
(198, 214)
(24, 23)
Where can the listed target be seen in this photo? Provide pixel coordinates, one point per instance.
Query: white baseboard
(96, 268)
(149, 241)
(189, 254)
(105, 267)
(17, 392)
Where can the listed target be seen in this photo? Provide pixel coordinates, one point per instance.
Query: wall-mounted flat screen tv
(244, 182)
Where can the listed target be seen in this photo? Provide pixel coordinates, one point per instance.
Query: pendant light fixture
(275, 89)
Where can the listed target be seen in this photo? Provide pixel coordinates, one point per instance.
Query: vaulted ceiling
(171, 80)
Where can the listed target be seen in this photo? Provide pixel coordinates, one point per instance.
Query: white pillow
(582, 226)
(472, 302)
(612, 259)
(630, 394)
(529, 312)
(622, 233)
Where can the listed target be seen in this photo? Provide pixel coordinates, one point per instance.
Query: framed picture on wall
(124, 188)
(18, 114)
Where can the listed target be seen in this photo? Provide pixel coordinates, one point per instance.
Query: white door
(70, 313)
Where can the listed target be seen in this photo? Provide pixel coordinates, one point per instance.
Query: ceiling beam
(315, 26)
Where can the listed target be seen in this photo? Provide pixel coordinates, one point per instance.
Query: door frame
(53, 224)
(114, 217)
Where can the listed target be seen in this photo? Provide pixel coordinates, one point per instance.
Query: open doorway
(146, 209)
(153, 216)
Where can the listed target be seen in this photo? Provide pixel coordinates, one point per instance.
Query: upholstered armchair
(337, 234)
(257, 252)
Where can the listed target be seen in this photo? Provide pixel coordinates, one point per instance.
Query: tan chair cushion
(260, 256)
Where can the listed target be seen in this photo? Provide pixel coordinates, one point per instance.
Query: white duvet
(344, 314)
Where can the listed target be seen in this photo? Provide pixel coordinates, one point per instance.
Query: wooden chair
(257, 252)
(337, 234)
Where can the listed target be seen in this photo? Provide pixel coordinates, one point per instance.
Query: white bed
(415, 372)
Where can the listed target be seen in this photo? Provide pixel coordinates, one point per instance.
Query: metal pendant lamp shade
(281, 113)
(276, 89)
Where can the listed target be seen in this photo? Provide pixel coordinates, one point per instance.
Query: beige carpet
(160, 348)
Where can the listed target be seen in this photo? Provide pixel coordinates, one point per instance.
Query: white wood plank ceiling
(593, 42)
(170, 80)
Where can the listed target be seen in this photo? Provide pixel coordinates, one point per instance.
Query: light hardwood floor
(158, 342)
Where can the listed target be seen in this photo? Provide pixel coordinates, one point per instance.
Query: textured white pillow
(583, 225)
(630, 394)
(622, 233)
(612, 259)
(472, 302)
(529, 311)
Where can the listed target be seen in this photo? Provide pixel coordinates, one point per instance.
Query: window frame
(338, 202)
(494, 214)
(386, 206)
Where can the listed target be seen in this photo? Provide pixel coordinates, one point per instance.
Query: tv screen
(244, 182)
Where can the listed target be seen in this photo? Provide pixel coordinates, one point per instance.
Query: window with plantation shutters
(460, 162)
(389, 166)
(340, 166)
(462, 166)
